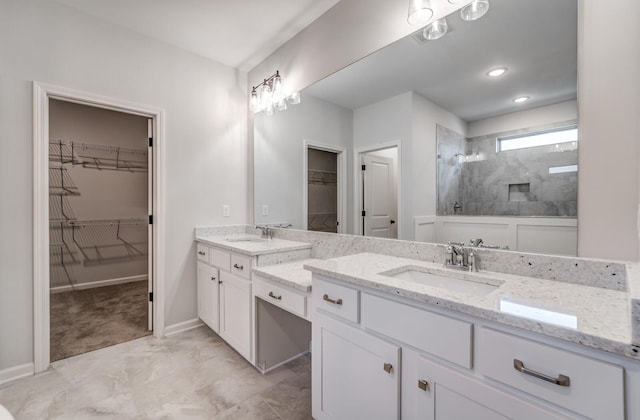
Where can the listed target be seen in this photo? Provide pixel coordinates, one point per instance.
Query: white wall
(205, 166)
(609, 101)
(278, 159)
(377, 125)
(534, 117)
(609, 106)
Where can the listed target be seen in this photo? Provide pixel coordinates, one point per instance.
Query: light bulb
(278, 90)
(294, 98)
(521, 99)
(497, 72)
(254, 103)
(266, 97)
(420, 12)
(436, 30)
(474, 10)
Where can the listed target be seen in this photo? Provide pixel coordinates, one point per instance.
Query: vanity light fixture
(497, 72)
(270, 95)
(474, 10)
(435, 30)
(520, 99)
(420, 12)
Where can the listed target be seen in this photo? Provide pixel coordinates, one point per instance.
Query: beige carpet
(90, 319)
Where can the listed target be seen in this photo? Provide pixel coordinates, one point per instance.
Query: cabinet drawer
(448, 338)
(281, 296)
(589, 387)
(241, 265)
(202, 252)
(220, 258)
(336, 299)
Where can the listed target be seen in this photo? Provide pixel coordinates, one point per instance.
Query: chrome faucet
(460, 257)
(476, 242)
(267, 232)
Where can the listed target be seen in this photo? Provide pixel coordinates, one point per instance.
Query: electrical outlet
(265, 209)
(226, 210)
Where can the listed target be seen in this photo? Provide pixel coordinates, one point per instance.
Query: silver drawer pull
(238, 267)
(274, 296)
(423, 385)
(202, 253)
(561, 380)
(388, 367)
(213, 278)
(328, 299)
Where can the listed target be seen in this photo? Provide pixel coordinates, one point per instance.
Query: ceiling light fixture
(521, 99)
(271, 95)
(435, 30)
(474, 10)
(420, 12)
(497, 72)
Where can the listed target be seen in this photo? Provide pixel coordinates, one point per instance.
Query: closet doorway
(324, 188)
(99, 227)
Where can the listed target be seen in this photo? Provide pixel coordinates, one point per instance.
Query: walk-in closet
(99, 232)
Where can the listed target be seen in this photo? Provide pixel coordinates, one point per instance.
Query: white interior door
(380, 200)
(150, 227)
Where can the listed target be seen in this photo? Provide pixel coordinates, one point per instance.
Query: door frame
(358, 179)
(342, 180)
(42, 92)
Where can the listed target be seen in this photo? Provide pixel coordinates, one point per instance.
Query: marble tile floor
(191, 375)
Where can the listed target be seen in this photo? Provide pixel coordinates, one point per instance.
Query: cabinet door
(355, 375)
(235, 320)
(446, 394)
(208, 296)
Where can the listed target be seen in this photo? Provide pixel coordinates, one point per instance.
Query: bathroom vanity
(529, 336)
(391, 339)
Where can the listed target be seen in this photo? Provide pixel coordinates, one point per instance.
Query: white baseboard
(16, 372)
(99, 283)
(182, 326)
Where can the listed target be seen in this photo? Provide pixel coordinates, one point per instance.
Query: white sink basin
(468, 286)
(246, 239)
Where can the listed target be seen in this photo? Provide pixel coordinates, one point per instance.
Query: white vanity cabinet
(209, 295)
(452, 366)
(355, 375)
(224, 295)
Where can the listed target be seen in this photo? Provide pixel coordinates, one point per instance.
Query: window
(555, 136)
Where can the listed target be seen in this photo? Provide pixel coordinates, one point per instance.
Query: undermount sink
(246, 239)
(472, 287)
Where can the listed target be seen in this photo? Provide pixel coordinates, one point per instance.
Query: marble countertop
(592, 316)
(256, 246)
(291, 274)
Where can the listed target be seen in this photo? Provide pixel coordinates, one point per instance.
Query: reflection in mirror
(452, 120)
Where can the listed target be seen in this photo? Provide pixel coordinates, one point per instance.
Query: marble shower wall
(510, 183)
(451, 148)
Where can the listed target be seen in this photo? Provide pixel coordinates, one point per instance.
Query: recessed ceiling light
(453, 1)
(521, 99)
(497, 72)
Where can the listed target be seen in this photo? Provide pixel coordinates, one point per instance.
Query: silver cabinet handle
(213, 278)
(238, 267)
(202, 253)
(561, 380)
(388, 367)
(423, 385)
(219, 281)
(328, 299)
(274, 296)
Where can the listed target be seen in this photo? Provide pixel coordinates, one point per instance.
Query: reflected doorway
(323, 189)
(380, 193)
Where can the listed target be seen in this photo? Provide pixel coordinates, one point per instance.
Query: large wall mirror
(420, 141)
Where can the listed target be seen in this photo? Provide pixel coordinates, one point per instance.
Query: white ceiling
(238, 33)
(535, 39)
